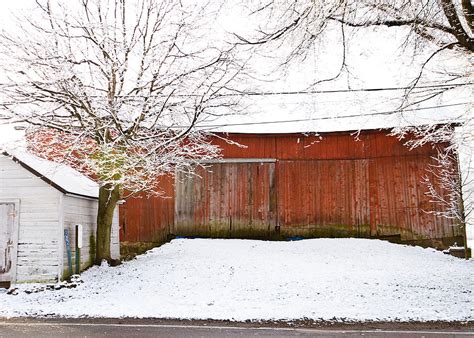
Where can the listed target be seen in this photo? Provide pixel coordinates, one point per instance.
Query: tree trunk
(108, 198)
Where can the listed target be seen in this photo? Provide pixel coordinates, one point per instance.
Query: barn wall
(145, 221)
(328, 185)
(84, 211)
(323, 198)
(379, 197)
(39, 222)
(327, 146)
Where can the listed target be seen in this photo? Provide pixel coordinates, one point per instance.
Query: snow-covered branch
(116, 88)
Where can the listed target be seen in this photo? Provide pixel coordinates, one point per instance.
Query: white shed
(41, 202)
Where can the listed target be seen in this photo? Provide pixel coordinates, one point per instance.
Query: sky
(374, 59)
(7, 7)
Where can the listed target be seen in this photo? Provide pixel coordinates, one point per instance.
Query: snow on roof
(11, 137)
(367, 95)
(62, 177)
(334, 113)
(297, 99)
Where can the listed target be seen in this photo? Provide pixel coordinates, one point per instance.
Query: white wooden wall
(84, 211)
(39, 222)
(44, 210)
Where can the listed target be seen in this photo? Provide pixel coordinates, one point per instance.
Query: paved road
(74, 329)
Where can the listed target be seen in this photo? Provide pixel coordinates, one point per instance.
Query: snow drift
(320, 279)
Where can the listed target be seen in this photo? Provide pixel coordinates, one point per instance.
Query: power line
(235, 92)
(334, 91)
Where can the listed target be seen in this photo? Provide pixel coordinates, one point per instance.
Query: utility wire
(235, 92)
(333, 91)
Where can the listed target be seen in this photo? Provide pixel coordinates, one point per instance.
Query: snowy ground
(328, 279)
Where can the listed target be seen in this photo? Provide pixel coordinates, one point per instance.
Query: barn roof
(371, 92)
(296, 117)
(62, 177)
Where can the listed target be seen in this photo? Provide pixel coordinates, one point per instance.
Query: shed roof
(62, 177)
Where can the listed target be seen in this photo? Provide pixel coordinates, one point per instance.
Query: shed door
(8, 241)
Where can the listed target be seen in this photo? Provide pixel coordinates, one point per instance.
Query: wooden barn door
(8, 241)
(228, 199)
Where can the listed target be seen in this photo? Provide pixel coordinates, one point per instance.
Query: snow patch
(320, 279)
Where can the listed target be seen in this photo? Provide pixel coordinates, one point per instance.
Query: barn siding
(380, 197)
(327, 146)
(226, 200)
(39, 223)
(326, 198)
(148, 218)
(335, 184)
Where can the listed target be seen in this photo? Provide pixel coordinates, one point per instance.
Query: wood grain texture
(225, 200)
(148, 219)
(327, 185)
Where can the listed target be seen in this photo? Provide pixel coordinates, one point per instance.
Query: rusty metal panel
(226, 199)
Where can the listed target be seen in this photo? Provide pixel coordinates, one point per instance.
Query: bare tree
(446, 186)
(443, 24)
(116, 89)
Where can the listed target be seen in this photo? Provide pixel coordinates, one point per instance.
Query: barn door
(8, 241)
(229, 199)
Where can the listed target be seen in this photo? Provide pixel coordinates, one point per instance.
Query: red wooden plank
(338, 182)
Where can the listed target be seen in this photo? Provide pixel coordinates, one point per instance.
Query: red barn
(298, 185)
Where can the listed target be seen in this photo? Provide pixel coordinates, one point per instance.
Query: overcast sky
(6, 8)
(373, 58)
